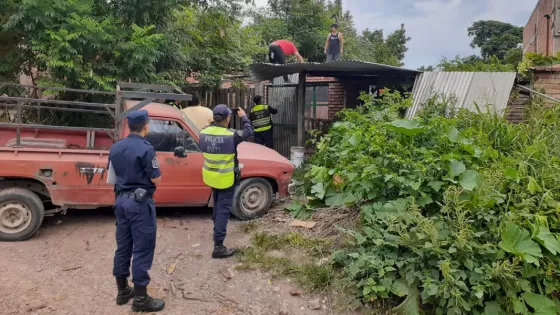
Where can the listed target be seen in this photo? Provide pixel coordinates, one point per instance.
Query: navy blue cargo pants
(223, 203)
(265, 138)
(136, 238)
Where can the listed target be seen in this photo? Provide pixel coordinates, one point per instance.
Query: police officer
(172, 103)
(262, 122)
(221, 169)
(136, 168)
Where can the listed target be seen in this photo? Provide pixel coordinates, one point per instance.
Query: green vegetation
(93, 44)
(463, 206)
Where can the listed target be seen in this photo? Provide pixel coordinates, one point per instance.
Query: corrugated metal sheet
(285, 122)
(489, 90)
(267, 71)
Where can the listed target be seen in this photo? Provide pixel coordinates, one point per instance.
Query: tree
(495, 38)
(426, 69)
(373, 46)
(475, 63)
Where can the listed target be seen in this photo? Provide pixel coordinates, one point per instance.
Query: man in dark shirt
(136, 168)
(221, 169)
(334, 47)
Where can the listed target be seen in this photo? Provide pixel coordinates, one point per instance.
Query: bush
(464, 207)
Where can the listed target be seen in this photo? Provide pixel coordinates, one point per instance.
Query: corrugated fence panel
(484, 88)
(492, 89)
(285, 122)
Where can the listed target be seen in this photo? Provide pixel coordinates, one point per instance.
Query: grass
(302, 258)
(249, 226)
(311, 275)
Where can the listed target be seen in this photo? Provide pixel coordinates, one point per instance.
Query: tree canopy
(93, 44)
(495, 38)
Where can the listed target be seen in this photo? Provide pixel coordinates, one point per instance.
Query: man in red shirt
(278, 50)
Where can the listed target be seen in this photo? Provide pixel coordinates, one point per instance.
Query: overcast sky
(438, 28)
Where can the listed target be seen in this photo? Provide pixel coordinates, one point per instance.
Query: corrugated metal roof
(268, 71)
(483, 88)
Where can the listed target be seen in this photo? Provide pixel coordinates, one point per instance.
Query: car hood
(253, 151)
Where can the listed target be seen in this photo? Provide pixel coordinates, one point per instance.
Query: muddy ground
(66, 269)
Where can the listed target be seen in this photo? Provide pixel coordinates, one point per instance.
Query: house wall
(535, 32)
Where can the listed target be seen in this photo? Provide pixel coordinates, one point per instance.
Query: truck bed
(55, 139)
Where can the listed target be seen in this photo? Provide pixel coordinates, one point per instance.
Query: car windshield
(190, 123)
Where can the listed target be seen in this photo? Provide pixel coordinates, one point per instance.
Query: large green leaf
(456, 168)
(452, 134)
(469, 180)
(406, 127)
(540, 303)
(518, 242)
(318, 190)
(533, 186)
(492, 308)
(355, 139)
(548, 240)
(400, 288)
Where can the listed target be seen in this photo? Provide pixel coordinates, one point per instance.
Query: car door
(181, 181)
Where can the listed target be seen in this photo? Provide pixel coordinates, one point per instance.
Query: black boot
(125, 292)
(220, 251)
(145, 303)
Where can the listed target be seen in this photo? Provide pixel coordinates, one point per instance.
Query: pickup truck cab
(51, 170)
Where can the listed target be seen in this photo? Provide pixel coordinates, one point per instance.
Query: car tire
(21, 214)
(252, 199)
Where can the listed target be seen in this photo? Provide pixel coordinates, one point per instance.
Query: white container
(296, 156)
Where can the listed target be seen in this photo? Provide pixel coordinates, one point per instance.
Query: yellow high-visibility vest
(218, 147)
(260, 117)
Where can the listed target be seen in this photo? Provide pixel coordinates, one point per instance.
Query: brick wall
(549, 82)
(336, 99)
(534, 34)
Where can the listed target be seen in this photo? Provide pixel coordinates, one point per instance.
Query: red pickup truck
(45, 171)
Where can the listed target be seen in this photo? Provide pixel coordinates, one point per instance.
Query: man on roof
(278, 50)
(334, 46)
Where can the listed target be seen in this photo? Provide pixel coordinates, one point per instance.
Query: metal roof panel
(268, 71)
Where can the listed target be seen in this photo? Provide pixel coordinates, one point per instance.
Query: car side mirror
(180, 152)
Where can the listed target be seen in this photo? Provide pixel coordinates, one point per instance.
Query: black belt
(130, 194)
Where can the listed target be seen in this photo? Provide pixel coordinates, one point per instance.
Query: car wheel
(252, 199)
(21, 214)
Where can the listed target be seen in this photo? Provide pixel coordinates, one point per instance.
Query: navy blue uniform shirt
(135, 164)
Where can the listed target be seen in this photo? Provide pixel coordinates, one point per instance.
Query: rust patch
(65, 174)
(171, 161)
(88, 170)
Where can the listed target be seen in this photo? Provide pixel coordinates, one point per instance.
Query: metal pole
(301, 108)
(540, 94)
(19, 122)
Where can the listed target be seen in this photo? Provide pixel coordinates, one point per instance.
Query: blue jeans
(223, 203)
(136, 238)
(333, 57)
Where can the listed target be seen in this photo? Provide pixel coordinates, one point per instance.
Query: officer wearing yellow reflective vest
(221, 169)
(262, 122)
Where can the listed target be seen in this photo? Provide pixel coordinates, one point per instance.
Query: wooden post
(301, 108)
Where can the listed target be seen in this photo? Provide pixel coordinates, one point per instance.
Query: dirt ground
(66, 269)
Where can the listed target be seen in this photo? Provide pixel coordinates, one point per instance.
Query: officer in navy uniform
(221, 169)
(137, 172)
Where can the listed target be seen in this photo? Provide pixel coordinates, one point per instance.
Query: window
(322, 94)
(165, 136)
